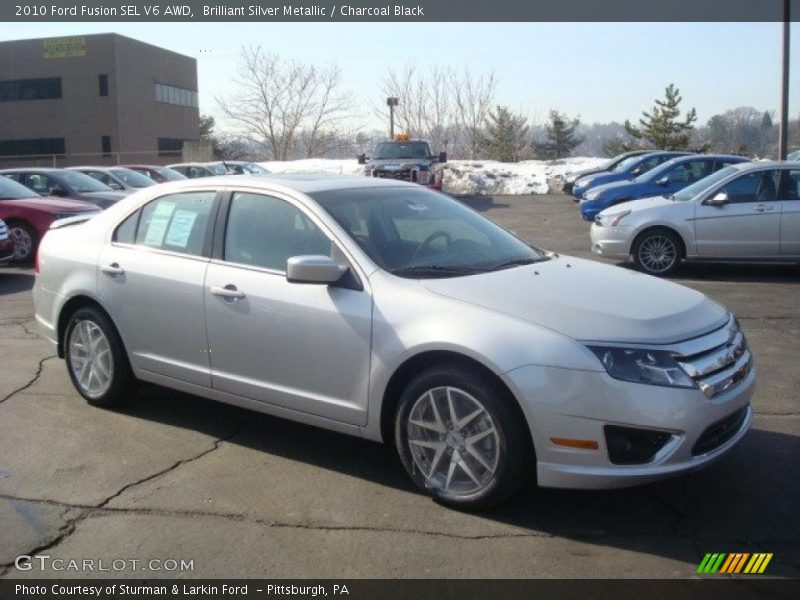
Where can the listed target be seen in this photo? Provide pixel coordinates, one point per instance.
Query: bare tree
(288, 107)
(474, 96)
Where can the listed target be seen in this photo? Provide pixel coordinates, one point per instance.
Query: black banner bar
(744, 588)
(397, 10)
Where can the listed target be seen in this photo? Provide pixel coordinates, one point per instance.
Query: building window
(170, 147)
(32, 147)
(102, 81)
(15, 90)
(105, 142)
(170, 94)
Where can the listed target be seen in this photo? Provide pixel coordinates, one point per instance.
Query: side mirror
(362, 159)
(720, 199)
(663, 180)
(637, 171)
(442, 157)
(57, 190)
(115, 186)
(313, 269)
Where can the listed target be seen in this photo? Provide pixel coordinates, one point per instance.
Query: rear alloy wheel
(24, 239)
(657, 252)
(461, 440)
(96, 360)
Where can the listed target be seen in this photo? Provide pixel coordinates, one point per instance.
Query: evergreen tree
(505, 136)
(561, 138)
(661, 127)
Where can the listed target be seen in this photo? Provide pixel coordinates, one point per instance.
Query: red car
(157, 173)
(28, 216)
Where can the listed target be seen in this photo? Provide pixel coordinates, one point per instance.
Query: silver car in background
(744, 212)
(392, 312)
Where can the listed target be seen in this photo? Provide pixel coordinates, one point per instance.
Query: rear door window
(177, 222)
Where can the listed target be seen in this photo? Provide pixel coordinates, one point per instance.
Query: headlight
(611, 220)
(653, 367)
(583, 183)
(592, 195)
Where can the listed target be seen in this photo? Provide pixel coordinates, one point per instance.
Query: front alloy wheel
(657, 253)
(24, 242)
(462, 437)
(453, 441)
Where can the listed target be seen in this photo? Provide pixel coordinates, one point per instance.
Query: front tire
(96, 360)
(25, 242)
(462, 438)
(658, 252)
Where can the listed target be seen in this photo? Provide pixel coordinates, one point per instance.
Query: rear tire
(462, 438)
(658, 252)
(25, 242)
(96, 359)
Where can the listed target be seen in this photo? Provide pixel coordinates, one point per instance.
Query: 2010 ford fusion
(385, 310)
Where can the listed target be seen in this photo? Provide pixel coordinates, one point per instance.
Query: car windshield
(217, 169)
(627, 164)
(170, 174)
(11, 190)
(253, 168)
(386, 150)
(418, 233)
(132, 178)
(691, 191)
(80, 183)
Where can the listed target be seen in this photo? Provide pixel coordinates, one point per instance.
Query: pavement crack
(176, 465)
(39, 369)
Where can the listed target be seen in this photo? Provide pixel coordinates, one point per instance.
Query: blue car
(666, 179)
(627, 170)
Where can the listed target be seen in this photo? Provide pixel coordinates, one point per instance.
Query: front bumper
(610, 242)
(577, 405)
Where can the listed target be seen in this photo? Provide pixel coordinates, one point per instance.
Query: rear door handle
(112, 269)
(762, 208)
(229, 292)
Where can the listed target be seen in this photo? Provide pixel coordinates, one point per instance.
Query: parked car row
(31, 198)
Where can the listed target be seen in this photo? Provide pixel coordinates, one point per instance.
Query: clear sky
(599, 71)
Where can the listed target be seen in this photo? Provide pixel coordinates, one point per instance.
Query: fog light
(629, 446)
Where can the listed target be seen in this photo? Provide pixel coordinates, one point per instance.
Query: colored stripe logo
(735, 563)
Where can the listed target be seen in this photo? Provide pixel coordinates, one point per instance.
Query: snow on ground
(477, 177)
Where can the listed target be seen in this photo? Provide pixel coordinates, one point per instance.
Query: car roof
(28, 169)
(307, 183)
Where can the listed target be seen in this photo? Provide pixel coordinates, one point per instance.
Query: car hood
(608, 178)
(589, 301)
(51, 204)
(617, 186)
(641, 204)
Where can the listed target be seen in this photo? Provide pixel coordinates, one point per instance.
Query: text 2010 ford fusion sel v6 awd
(389, 311)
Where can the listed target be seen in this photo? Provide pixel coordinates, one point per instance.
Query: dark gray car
(66, 184)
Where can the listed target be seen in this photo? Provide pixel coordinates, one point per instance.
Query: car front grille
(720, 432)
(404, 175)
(717, 361)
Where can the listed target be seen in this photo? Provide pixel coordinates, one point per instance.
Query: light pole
(391, 103)
(783, 132)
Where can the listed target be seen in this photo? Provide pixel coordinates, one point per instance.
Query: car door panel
(790, 213)
(301, 346)
(156, 292)
(744, 227)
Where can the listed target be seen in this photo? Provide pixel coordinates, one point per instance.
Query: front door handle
(229, 292)
(112, 269)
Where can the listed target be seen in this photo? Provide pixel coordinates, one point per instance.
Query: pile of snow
(328, 166)
(473, 177)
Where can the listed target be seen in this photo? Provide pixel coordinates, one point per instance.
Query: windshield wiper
(517, 262)
(436, 270)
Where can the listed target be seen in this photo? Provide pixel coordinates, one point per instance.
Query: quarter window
(264, 231)
(177, 222)
(126, 232)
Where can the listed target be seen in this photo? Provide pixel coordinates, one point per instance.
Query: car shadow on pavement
(746, 502)
(479, 203)
(13, 281)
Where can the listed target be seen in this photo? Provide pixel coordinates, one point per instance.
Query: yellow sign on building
(64, 47)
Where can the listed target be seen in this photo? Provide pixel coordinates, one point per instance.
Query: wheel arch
(404, 373)
(68, 309)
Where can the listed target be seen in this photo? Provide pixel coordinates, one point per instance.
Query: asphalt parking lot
(245, 495)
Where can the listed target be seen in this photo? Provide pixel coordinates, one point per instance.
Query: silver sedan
(392, 312)
(744, 212)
